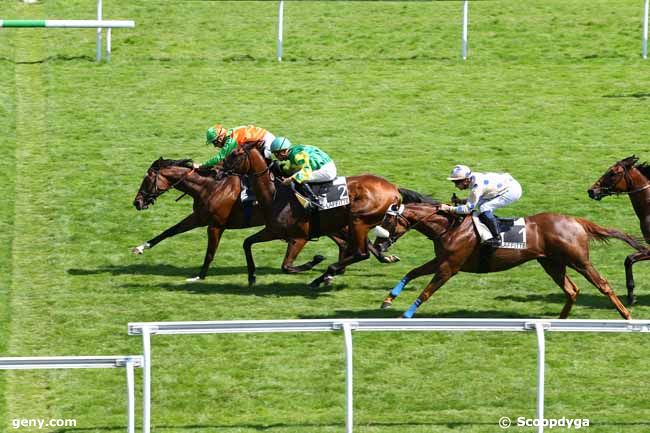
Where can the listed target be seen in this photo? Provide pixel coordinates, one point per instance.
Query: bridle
(625, 175)
(398, 213)
(150, 197)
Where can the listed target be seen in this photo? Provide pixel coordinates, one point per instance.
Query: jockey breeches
(510, 195)
(323, 174)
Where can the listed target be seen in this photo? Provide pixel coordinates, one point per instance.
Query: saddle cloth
(332, 194)
(512, 232)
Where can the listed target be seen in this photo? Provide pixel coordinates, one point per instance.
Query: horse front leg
(263, 235)
(379, 255)
(360, 253)
(629, 276)
(443, 274)
(428, 268)
(294, 247)
(188, 223)
(214, 236)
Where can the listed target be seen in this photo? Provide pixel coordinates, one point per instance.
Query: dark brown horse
(556, 241)
(628, 177)
(217, 205)
(370, 196)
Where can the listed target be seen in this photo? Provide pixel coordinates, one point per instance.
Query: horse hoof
(386, 305)
(317, 259)
(251, 282)
(193, 279)
(631, 300)
(314, 284)
(138, 250)
(328, 280)
(393, 259)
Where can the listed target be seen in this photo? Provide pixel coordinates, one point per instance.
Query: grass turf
(553, 93)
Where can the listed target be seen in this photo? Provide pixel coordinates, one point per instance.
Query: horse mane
(410, 196)
(644, 168)
(162, 163)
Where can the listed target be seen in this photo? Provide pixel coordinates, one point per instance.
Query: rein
(408, 224)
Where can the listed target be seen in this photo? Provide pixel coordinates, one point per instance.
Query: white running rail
(55, 362)
(147, 329)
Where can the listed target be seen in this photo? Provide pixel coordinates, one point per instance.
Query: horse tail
(410, 196)
(603, 234)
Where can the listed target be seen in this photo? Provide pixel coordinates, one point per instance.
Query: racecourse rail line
(346, 326)
(66, 362)
(99, 24)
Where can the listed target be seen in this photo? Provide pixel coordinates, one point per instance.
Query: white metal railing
(147, 329)
(56, 362)
(99, 23)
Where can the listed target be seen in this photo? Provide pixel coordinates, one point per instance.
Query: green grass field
(553, 92)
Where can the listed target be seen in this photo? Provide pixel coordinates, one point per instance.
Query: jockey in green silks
(308, 164)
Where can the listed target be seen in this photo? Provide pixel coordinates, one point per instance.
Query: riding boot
(492, 224)
(306, 191)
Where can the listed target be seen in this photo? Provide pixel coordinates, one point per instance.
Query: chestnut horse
(628, 177)
(217, 205)
(370, 196)
(555, 240)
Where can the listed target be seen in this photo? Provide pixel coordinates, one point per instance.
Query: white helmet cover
(460, 172)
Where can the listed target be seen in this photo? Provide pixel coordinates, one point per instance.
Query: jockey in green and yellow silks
(229, 139)
(307, 164)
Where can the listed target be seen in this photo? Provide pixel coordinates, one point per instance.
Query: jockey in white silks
(488, 192)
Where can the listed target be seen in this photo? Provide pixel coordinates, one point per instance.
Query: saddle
(331, 194)
(511, 230)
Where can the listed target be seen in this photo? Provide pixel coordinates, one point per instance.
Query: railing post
(465, 23)
(541, 354)
(645, 29)
(349, 414)
(99, 31)
(146, 381)
(130, 396)
(280, 25)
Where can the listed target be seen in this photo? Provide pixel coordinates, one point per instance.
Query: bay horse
(555, 241)
(370, 196)
(628, 177)
(217, 205)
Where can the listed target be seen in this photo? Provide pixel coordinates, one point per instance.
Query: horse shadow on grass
(395, 313)
(297, 289)
(169, 270)
(589, 300)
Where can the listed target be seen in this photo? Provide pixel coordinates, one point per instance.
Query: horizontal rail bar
(318, 325)
(67, 24)
(31, 363)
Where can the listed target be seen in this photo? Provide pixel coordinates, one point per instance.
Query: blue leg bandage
(399, 287)
(411, 311)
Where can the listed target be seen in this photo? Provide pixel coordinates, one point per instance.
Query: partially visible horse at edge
(217, 205)
(628, 177)
(555, 241)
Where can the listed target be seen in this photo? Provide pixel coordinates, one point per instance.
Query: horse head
(159, 178)
(616, 179)
(246, 159)
(392, 227)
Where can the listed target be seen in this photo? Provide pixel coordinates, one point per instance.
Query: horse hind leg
(294, 247)
(589, 272)
(557, 271)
